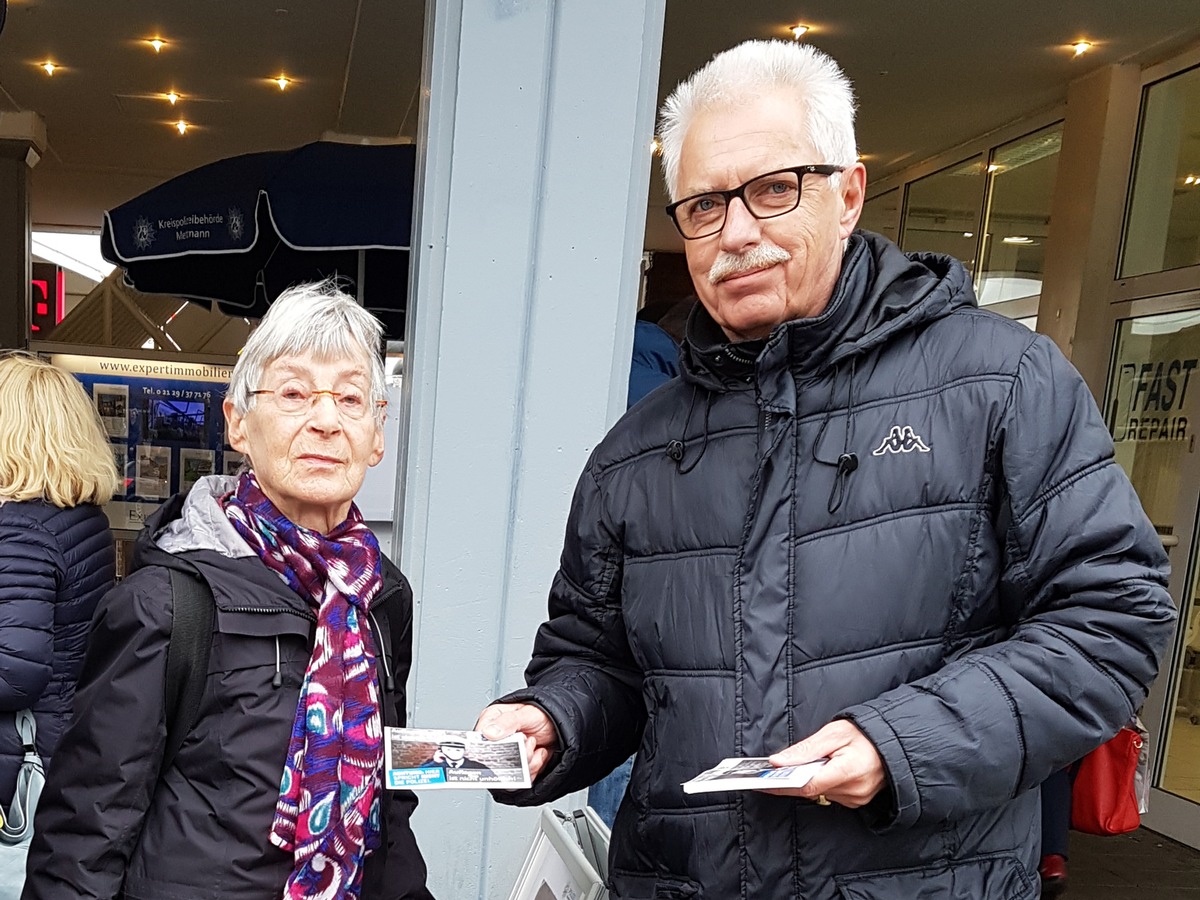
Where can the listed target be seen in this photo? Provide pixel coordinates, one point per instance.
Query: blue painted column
(537, 126)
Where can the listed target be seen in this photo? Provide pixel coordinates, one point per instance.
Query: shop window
(1162, 228)
(1153, 409)
(881, 214)
(942, 211)
(1021, 177)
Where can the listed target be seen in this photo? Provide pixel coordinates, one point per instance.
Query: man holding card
(870, 523)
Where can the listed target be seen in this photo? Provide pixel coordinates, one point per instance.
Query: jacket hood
(196, 521)
(881, 290)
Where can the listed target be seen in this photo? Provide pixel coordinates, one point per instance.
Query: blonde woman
(56, 552)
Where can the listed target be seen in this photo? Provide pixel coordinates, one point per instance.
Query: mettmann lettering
(192, 234)
(1156, 389)
(198, 219)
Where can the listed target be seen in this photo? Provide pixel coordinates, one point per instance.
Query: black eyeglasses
(773, 194)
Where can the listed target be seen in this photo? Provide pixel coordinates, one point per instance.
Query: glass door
(1153, 412)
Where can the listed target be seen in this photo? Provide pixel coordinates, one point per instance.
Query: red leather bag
(1103, 798)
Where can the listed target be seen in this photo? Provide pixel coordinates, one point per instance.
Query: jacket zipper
(259, 609)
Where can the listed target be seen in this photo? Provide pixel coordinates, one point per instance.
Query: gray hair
(750, 70)
(316, 319)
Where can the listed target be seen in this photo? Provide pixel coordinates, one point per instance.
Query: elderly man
(870, 523)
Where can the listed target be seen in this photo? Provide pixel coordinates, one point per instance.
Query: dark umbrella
(239, 231)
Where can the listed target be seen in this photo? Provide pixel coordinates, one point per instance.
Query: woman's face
(310, 462)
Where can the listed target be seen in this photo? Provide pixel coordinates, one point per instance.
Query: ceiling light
(49, 67)
(283, 81)
(1018, 239)
(656, 146)
(1191, 179)
(799, 31)
(1081, 47)
(157, 44)
(172, 97)
(182, 126)
(994, 167)
(968, 234)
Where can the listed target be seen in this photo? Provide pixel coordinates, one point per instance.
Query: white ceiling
(929, 74)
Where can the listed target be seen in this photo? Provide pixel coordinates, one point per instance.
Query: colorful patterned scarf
(328, 810)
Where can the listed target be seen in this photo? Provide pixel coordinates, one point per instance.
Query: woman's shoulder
(45, 516)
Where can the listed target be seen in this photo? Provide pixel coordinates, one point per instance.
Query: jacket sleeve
(103, 774)
(1085, 575)
(31, 568)
(582, 673)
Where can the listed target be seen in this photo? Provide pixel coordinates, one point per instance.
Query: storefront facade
(1077, 221)
(1084, 223)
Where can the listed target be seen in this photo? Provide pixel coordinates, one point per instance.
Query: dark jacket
(655, 360)
(55, 565)
(200, 830)
(974, 585)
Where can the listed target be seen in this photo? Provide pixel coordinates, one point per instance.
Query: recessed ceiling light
(994, 167)
(49, 67)
(1192, 179)
(1018, 239)
(968, 234)
(799, 31)
(283, 81)
(157, 43)
(172, 97)
(182, 126)
(1081, 47)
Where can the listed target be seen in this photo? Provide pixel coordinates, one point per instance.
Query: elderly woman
(276, 790)
(56, 552)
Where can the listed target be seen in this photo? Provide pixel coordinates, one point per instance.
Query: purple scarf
(328, 810)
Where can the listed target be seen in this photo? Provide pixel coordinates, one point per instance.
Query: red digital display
(48, 294)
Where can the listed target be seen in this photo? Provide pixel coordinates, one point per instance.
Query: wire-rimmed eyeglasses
(294, 399)
(773, 194)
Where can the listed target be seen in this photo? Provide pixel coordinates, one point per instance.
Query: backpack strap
(193, 613)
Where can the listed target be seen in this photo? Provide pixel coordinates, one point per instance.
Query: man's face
(726, 148)
(454, 752)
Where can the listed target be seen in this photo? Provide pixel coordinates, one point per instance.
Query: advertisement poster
(112, 402)
(193, 465)
(164, 423)
(152, 478)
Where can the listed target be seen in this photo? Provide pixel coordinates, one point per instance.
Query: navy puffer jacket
(904, 512)
(55, 565)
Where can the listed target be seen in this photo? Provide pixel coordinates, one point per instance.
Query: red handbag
(1103, 797)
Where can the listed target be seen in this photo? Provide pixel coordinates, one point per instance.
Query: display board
(164, 424)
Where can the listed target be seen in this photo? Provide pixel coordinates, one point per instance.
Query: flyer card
(751, 774)
(419, 759)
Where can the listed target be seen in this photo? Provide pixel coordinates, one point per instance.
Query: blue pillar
(537, 126)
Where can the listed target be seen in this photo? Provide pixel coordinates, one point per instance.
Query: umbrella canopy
(239, 231)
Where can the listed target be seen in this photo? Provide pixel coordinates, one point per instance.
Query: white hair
(751, 70)
(318, 320)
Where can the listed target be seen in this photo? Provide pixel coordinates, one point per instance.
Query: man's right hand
(541, 738)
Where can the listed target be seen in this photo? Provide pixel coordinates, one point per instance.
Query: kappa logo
(901, 440)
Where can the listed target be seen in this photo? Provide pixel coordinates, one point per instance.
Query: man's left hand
(853, 775)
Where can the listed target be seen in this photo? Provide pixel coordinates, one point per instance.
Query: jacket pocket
(635, 886)
(996, 877)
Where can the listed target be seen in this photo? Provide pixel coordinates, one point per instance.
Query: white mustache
(761, 256)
